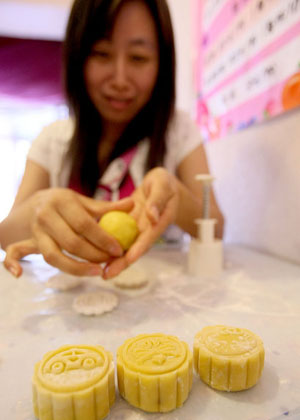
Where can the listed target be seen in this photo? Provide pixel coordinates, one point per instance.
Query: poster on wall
(248, 62)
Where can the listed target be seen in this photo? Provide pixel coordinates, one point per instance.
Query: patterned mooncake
(228, 358)
(74, 383)
(155, 372)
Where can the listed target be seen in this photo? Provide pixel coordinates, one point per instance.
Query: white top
(50, 148)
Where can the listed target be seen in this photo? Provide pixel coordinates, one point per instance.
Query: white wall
(258, 185)
(41, 19)
(181, 12)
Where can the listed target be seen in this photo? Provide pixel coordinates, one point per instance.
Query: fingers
(92, 230)
(143, 243)
(156, 206)
(159, 188)
(97, 208)
(86, 225)
(151, 233)
(69, 219)
(138, 208)
(114, 267)
(54, 256)
(68, 232)
(17, 251)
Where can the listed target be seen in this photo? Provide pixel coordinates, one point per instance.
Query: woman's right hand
(156, 203)
(65, 225)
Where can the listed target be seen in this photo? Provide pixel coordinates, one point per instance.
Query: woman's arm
(191, 194)
(16, 226)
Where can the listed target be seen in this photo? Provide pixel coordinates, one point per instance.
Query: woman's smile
(118, 104)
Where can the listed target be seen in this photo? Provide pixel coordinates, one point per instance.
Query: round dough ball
(121, 226)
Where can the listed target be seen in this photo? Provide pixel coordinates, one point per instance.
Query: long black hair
(89, 21)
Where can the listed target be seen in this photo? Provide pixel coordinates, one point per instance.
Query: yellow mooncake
(155, 372)
(228, 358)
(74, 383)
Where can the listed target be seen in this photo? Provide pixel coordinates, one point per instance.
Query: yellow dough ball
(74, 383)
(228, 358)
(121, 226)
(155, 372)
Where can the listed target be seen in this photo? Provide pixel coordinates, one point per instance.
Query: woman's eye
(139, 58)
(101, 54)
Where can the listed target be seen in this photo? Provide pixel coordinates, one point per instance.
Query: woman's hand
(65, 222)
(155, 207)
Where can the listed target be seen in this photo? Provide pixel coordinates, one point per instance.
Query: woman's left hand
(155, 207)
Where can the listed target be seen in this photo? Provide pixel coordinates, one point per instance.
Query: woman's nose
(120, 76)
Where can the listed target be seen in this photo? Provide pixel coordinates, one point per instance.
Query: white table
(256, 291)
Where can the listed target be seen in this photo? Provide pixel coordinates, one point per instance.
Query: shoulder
(55, 135)
(60, 130)
(51, 145)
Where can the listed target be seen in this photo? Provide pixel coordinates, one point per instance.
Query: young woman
(124, 139)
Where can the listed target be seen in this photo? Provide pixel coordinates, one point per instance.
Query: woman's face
(121, 71)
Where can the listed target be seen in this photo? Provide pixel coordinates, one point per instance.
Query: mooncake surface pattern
(74, 383)
(228, 358)
(154, 372)
(95, 303)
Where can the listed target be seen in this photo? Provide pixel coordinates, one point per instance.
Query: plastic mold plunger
(205, 258)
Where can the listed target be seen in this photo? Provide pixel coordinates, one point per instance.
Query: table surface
(255, 291)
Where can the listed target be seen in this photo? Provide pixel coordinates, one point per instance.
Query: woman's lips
(118, 103)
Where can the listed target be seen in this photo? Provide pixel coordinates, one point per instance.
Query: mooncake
(154, 372)
(228, 358)
(74, 383)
